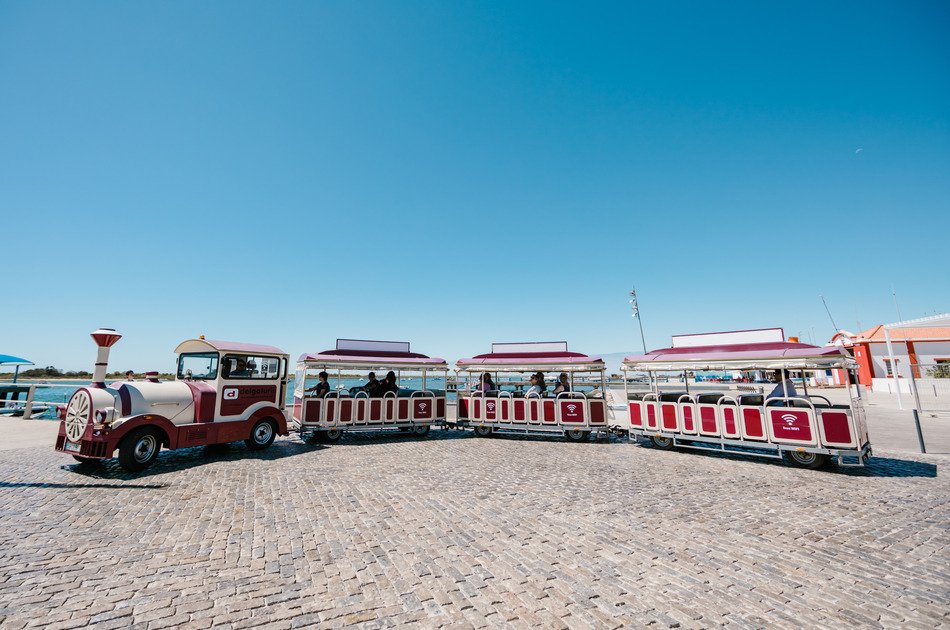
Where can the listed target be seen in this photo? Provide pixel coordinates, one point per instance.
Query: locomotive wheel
(332, 435)
(576, 435)
(802, 459)
(483, 431)
(87, 461)
(262, 435)
(662, 443)
(139, 449)
(420, 430)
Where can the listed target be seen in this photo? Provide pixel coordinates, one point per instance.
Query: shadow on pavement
(875, 467)
(361, 438)
(187, 458)
(59, 486)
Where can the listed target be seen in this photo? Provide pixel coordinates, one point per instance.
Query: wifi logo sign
(572, 408)
(422, 406)
(790, 419)
(491, 406)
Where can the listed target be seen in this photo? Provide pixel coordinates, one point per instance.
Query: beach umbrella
(6, 359)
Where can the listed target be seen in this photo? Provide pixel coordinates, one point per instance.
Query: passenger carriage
(224, 392)
(807, 429)
(575, 414)
(414, 408)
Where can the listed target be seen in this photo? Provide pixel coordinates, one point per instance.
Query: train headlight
(105, 416)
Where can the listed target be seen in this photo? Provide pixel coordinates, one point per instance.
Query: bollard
(920, 435)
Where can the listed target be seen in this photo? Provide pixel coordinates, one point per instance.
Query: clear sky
(457, 173)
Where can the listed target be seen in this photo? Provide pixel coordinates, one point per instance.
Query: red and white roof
(364, 354)
(519, 357)
(743, 356)
(216, 345)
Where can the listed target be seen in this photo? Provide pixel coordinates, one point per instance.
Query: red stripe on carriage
(669, 416)
(688, 424)
(836, 428)
(752, 423)
(636, 414)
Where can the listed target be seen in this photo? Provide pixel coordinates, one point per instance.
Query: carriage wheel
(421, 430)
(483, 430)
(662, 443)
(803, 459)
(577, 435)
(333, 435)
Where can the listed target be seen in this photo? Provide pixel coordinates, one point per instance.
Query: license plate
(72, 447)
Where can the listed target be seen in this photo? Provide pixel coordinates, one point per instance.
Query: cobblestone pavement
(459, 531)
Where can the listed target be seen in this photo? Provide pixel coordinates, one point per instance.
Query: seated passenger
(389, 384)
(240, 370)
(485, 384)
(320, 389)
(535, 387)
(783, 389)
(372, 385)
(541, 383)
(562, 384)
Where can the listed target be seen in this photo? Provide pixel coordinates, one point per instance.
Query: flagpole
(636, 313)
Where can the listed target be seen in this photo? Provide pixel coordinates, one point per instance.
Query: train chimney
(105, 338)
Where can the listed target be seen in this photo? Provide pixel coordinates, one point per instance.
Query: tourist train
(227, 391)
(806, 429)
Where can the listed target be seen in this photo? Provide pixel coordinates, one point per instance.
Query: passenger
(541, 383)
(372, 385)
(320, 389)
(129, 375)
(535, 388)
(562, 384)
(389, 384)
(241, 369)
(486, 384)
(783, 389)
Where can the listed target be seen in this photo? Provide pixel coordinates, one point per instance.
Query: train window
(243, 366)
(198, 366)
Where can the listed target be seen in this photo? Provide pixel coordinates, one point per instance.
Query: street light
(636, 313)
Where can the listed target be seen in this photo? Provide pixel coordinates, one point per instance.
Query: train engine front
(99, 415)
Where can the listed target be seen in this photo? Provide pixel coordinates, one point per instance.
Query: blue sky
(457, 173)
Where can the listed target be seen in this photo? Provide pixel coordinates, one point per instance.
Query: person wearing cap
(372, 385)
(129, 375)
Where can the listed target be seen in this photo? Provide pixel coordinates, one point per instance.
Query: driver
(241, 369)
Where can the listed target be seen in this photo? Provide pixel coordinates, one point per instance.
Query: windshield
(198, 366)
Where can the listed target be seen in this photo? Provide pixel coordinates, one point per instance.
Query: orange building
(919, 348)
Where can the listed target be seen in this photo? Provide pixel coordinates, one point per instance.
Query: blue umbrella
(6, 359)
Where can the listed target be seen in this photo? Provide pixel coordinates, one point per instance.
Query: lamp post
(635, 307)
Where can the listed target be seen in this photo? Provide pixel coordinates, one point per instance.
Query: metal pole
(920, 435)
(827, 310)
(636, 313)
(894, 371)
(16, 371)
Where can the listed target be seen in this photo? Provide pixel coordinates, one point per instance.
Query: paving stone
(453, 531)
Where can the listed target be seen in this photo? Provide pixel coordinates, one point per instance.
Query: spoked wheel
(806, 460)
(577, 435)
(332, 435)
(662, 443)
(420, 430)
(483, 431)
(139, 449)
(262, 435)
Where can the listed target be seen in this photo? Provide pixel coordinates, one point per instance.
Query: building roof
(876, 334)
